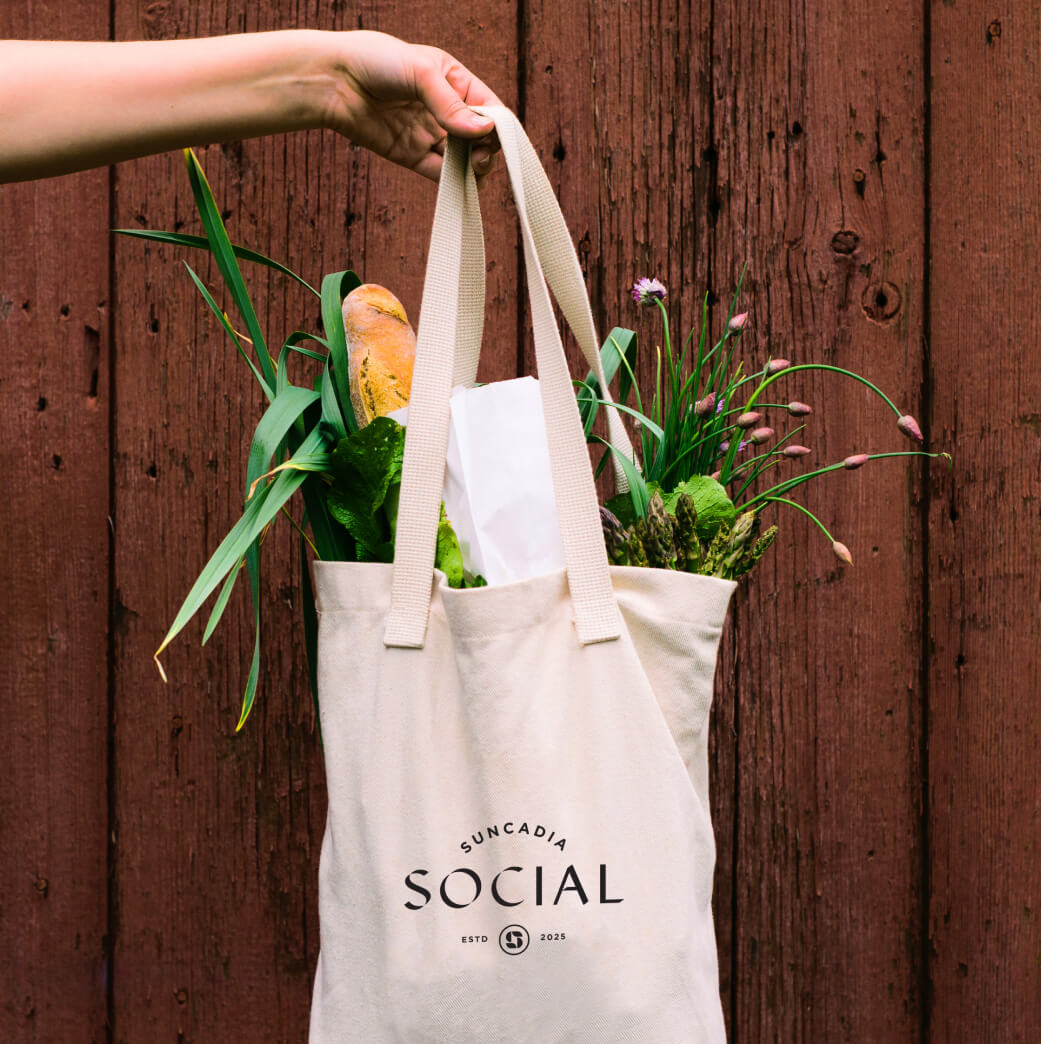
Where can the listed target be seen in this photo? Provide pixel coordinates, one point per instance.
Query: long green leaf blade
(335, 287)
(224, 255)
(229, 329)
(259, 511)
(241, 252)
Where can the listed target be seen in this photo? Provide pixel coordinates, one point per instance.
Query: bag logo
(514, 939)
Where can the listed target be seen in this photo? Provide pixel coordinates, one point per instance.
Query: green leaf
(253, 568)
(180, 239)
(278, 418)
(335, 288)
(260, 510)
(332, 541)
(643, 419)
(623, 342)
(224, 255)
(449, 555)
(365, 466)
(620, 342)
(236, 340)
(221, 602)
(714, 507)
(638, 491)
(331, 414)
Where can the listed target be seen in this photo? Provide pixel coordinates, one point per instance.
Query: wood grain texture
(985, 527)
(839, 152)
(616, 102)
(54, 414)
(821, 190)
(219, 834)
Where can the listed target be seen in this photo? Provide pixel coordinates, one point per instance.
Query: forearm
(70, 106)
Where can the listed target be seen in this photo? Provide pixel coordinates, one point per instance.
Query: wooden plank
(54, 412)
(820, 188)
(616, 102)
(219, 834)
(985, 551)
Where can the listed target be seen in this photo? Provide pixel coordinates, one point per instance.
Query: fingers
(430, 166)
(448, 89)
(447, 106)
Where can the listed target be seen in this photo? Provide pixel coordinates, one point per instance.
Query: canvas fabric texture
(518, 844)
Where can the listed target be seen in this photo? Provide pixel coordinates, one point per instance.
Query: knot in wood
(845, 241)
(881, 301)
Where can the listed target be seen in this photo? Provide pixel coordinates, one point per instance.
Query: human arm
(67, 106)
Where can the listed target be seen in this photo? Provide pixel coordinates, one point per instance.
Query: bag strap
(446, 298)
(470, 325)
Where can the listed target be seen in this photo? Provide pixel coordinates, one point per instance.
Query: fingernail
(481, 158)
(478, 120)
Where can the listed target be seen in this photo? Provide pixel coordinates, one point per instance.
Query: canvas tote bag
(518, 844)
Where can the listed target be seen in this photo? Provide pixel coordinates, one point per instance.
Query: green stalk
(764, 457)
(805, 511)
(798, 480)
(728, 463)
(815, 366)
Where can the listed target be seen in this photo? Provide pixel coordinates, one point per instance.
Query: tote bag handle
(448, 298)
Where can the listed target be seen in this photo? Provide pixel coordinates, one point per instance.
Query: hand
(401, 99)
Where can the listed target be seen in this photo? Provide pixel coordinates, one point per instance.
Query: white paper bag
(498, 489)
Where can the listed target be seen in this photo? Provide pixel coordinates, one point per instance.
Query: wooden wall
(876, 766)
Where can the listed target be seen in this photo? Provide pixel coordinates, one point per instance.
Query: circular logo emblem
(513, 939)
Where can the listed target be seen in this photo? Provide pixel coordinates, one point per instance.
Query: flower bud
(795, 451)
(704, 407)
(717, 475)
(749, 420)
(909, 426)
(799, 409)
(737, 323)
(724, 446)
(843, 552)
(760, 435)
(856, 461)
(776, 365)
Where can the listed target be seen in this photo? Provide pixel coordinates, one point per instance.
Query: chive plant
(704, 412)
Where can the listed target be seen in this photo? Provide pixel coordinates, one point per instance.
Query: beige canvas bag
(518, 844)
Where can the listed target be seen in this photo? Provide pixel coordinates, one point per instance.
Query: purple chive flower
(703, 407)
(843, 552)
(760, 435)
(749, 420)
(799, 409)
(647, 291)
(737, 323)
(909, 426)
(776, 365)
(856, 461)
(795, 451)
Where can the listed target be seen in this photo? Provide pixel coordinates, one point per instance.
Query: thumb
(450, 111)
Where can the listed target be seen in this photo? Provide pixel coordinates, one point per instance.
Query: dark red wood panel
(219, 834)
(54, 567)
(985, 528)
(616, 102)
(817, 123)
(683, 141)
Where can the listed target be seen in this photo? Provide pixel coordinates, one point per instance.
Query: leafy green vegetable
(366, 467)
(713, 505)
(449, 556)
